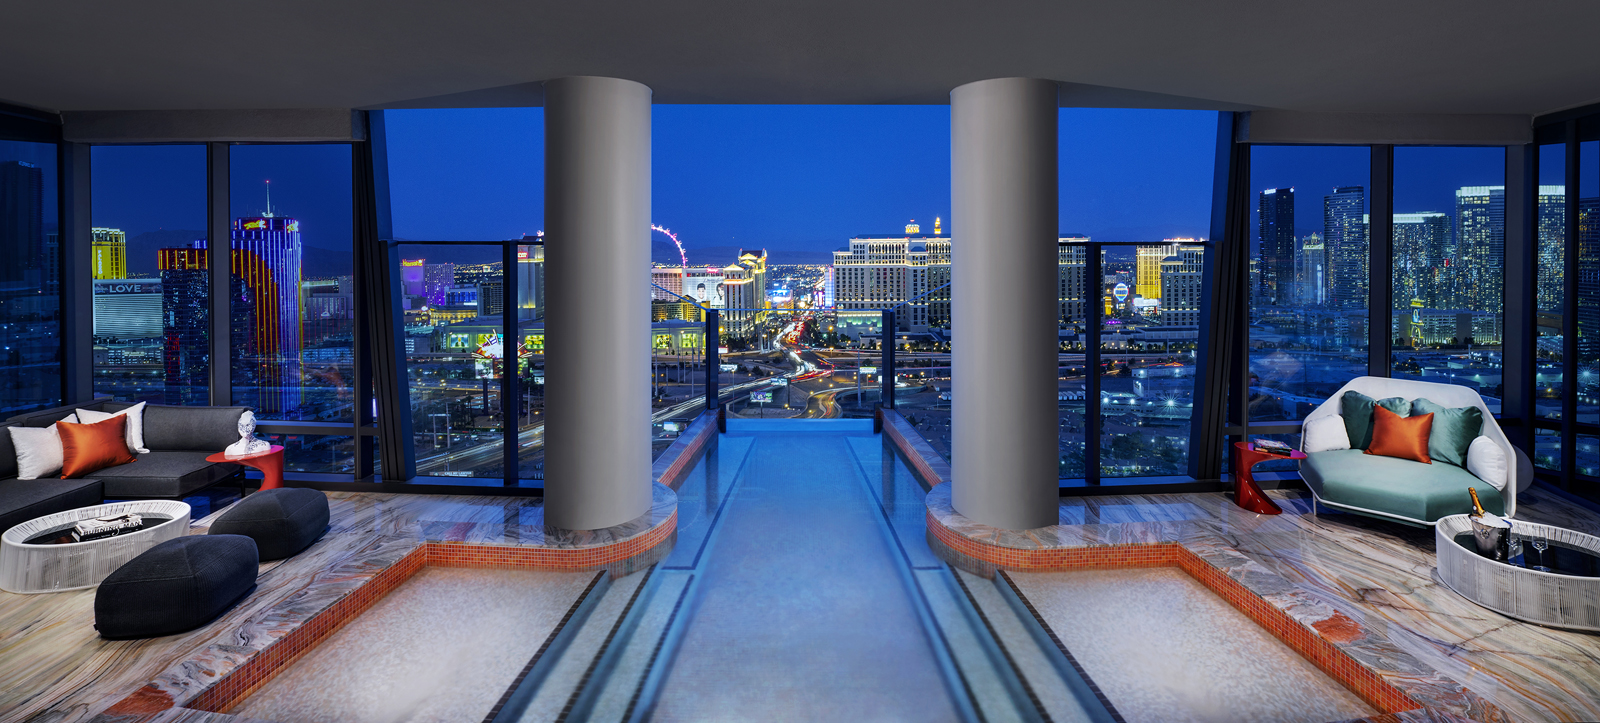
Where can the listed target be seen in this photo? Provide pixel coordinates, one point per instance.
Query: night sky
(788, 178)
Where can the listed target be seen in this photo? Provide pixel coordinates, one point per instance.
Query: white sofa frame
(1519, 467)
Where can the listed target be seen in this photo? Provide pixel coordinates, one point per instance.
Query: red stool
(1246, 493)
(270, 463)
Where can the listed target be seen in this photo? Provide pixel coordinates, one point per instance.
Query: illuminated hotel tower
(109, 254)
(266, 314)
(186, 310)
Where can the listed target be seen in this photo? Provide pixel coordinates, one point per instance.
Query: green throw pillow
(1454, 428)
(1357, 411)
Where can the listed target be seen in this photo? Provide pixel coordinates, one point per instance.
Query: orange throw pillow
(1403, 437)
(87, 448)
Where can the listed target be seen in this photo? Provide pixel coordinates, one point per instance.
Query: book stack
(109, 526)
(1272, 446)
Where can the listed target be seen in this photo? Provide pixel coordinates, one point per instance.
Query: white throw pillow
(39, 450)
(1487, 461)
(134, 433)
(1324, 434)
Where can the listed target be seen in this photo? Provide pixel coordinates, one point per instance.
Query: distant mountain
(664, 252)
(315, 262)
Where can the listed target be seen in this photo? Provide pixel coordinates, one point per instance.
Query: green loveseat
(1400, 489)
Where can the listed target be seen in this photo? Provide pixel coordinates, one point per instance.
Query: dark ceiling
(1468, 56)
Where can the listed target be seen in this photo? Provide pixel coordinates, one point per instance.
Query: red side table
(1246, 493)
(270, 463)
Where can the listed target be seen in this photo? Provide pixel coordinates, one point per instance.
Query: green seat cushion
(1396, 486)
(1356, 408)
(1454, 428)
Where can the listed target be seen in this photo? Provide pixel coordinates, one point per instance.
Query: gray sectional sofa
(179, 439)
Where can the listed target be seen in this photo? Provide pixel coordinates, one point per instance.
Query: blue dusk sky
(787, 178)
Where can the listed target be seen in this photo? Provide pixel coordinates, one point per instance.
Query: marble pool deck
(1365, 586)
(55, 667)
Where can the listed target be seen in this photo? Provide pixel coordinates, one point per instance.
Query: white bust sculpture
(248, 443)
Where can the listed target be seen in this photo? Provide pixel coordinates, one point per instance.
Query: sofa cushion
(1454, 428)
(1397, 486)
(177, 585)
(25, 499)
(1356, 408)
(282, 521)
(8, 454)
(163, 473)
(196, 429)
(1402, 437)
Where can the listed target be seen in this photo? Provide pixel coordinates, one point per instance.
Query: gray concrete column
(597, 319)
(1003, 301)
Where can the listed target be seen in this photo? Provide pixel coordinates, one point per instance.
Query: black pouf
(175, 586)
(282, 521)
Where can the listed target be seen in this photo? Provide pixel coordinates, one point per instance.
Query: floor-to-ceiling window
(291, 298)
(465, 185)
(1448, 266)
(30, 278)
(1135, 207)
(148, 267)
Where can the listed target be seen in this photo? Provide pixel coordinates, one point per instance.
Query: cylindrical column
(597, 322)
(1003, 301)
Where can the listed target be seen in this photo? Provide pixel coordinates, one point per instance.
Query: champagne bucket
(1491, 537)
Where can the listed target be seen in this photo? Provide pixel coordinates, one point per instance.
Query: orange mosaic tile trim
(1316, 643)
(264, 665)
(234, 686)
(461, 554)
(686, 450)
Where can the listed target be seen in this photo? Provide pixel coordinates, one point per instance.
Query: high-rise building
(1480, 247)
(745, 288)
(1181, 276)
(530, 281)
(1588, 279)
(1310, 271)
(266, 313)
(667, 283)
(1344, 231)
(127, 309)
(491, 298)
(186, 314)
(413, 277)
(1275, 216)
(913, 271)
(1420, 253)
(21, 225)
(108, 254)
(1147, 268)
(1552, 230)
(437, 279)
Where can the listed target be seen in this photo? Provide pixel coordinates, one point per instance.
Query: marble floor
(1381, 573)
(444, 646)
(54, 667)
(1165, 649)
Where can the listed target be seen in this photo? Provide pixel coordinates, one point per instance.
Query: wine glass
(1541, 543)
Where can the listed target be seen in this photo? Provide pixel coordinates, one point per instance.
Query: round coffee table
(1565, 596)
(34, 568)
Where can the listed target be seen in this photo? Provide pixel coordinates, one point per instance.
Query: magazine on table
(1272, 446)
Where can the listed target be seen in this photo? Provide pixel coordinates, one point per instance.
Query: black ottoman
(175, 586)
(282, 521)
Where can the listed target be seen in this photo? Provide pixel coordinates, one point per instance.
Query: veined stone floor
(1381, 573)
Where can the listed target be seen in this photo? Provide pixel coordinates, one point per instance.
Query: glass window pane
(1549, 318)
(454, 357)
(30, 278)
(1448, 266)
(1588, 311)
(292, 293)
(148, 263)
(1308, 276)
(1139, 181)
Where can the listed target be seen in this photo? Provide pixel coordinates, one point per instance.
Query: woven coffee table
(33, 568)
(1567, 596)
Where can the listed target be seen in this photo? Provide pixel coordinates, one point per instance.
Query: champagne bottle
(1476, 505)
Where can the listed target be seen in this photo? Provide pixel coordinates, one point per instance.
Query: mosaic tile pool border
(211, 684)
